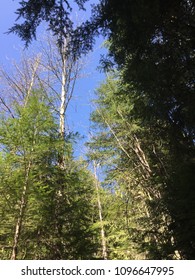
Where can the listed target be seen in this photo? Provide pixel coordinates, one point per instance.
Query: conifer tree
(34, 224)
(136, 157)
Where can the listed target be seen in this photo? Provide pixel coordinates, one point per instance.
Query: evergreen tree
(138, 160)
(34, 225)
(153, 44)
(55, 12)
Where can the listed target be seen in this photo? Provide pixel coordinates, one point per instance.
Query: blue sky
(80, 106)
(8, 43)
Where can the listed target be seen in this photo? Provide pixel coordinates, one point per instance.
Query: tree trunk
(63, 97)
(23, 203)
(103, 238)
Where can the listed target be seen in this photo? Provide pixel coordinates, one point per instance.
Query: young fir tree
(33, 226)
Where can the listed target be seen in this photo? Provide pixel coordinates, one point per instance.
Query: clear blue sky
(8, 43)
(80, 107)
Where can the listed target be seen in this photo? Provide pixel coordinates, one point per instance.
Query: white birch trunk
(23, 202)
(63, 97)
(103, 237)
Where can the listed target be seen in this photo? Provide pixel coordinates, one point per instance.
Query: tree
(22, 139)
(153, 44)
(103, 237)
(58, 75)
(55, 12)
(48, 209)
(156, 52)
(37, 226)
(137, 161)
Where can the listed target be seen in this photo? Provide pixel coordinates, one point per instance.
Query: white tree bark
(23, 202)
(103, 237)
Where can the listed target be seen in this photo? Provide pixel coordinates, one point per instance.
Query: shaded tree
(154, 46)
(138, 159)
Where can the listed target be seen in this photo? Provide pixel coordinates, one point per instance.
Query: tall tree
(58, 76)
(34, 225)
(22, 138)
(138, 162)
(55, 210)
(103, 237)
(153, 45)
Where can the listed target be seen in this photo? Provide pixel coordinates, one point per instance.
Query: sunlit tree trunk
(23, 203)
(103, 237)
(63, 98)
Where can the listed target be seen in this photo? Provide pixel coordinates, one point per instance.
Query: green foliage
(153, 46)
(56, 13)
(56, 220)
(136, 156)
(22, 138)
(144, 122)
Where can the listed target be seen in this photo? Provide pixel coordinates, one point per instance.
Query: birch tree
(55, 192)
(102, 230)
(61, 72)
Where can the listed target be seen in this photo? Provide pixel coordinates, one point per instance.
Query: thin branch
(7, 107)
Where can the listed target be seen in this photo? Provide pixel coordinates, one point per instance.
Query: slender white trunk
(103, 237)
(23, 202)
(63, 99)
